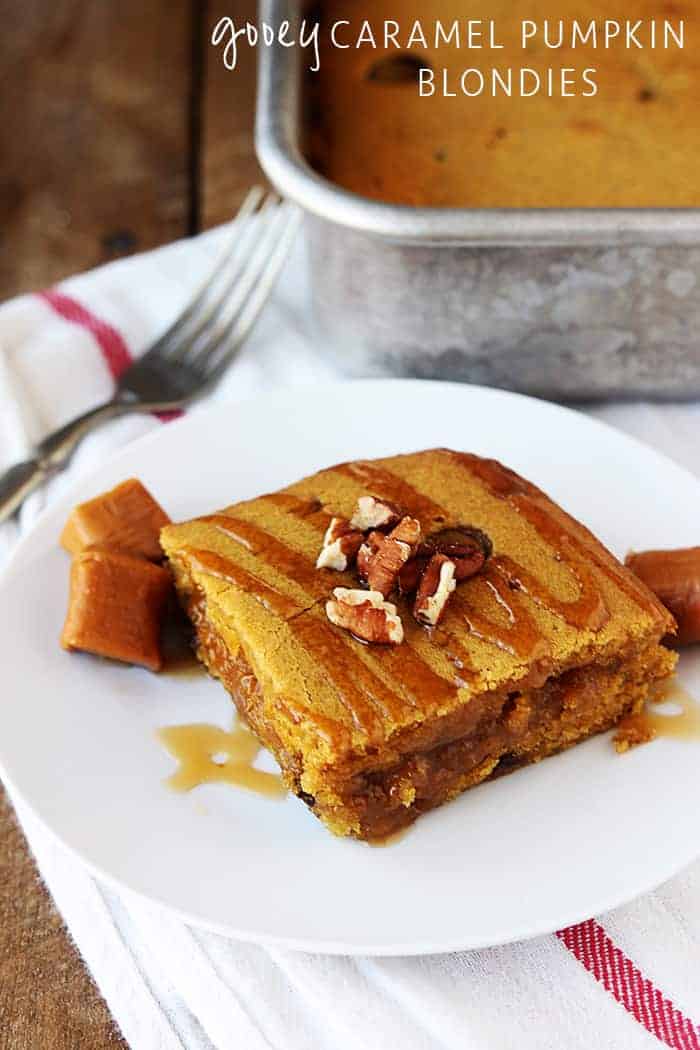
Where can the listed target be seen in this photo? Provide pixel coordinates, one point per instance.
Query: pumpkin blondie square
(496, 630)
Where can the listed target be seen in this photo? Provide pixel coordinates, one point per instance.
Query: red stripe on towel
(113, 346)
(115, 352)
(592, 946)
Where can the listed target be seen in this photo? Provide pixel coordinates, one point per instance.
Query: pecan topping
(340, 546)
(366, 615)
(410, 574)
(374, 513)
(436, 586)
(392, 553)
(366, 552)
(385, 546)
(468, 547)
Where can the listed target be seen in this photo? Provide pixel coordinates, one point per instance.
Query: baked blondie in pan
(551, 640)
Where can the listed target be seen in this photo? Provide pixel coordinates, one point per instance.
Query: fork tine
(213, 306)
(250, 203)
(278, 230)
(240, 325)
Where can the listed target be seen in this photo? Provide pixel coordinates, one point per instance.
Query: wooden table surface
(124, 132)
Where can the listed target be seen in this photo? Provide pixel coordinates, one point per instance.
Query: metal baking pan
(569, 304)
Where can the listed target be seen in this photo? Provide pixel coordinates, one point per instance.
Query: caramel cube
(674, 577)
(127, 518)
(116, 606)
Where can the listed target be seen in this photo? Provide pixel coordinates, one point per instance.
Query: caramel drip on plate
(224, 569)
(390, 486)
(292, 564)
(681, 724)
(684, 724)
(520, 636)
(389, 840)
(208, 754)
(187, 667)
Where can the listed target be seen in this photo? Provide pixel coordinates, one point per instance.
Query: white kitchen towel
(627, 980)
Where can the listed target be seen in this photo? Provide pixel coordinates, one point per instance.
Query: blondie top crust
(552, 641)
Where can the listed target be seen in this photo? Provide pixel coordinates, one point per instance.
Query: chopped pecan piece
(436, 586)
(374, 513)
(366, 615)
(392, 553)
(410, 574)
(340, 545)
(407, 531)
(674, 577)
(366, 552)
(468, 547)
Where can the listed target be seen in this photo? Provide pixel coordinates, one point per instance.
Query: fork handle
(50, 456)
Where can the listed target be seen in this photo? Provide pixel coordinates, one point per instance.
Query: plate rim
(319, 389)
(411, 948)
(334, 947)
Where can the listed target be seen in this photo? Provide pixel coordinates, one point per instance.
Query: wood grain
(95, 138)
(47, 998)
(228, 164)
(123, 132)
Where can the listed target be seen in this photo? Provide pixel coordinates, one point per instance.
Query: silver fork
(190, 357)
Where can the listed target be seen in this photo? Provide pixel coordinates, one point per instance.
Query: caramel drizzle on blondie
(296, 505)
(422, 683)
(363, 693)
(290, 563)
(553, 524)
(391, 487)
(428, 689)
(520, 636)
(588, 610)
(213, 564)
(455, 652)
(334, 733)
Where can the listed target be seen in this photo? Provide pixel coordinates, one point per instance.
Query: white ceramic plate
(545, 847)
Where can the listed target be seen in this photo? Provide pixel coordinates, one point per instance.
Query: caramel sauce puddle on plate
(185, 665)
(681, 724)
(389, 840)
(208, 754)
